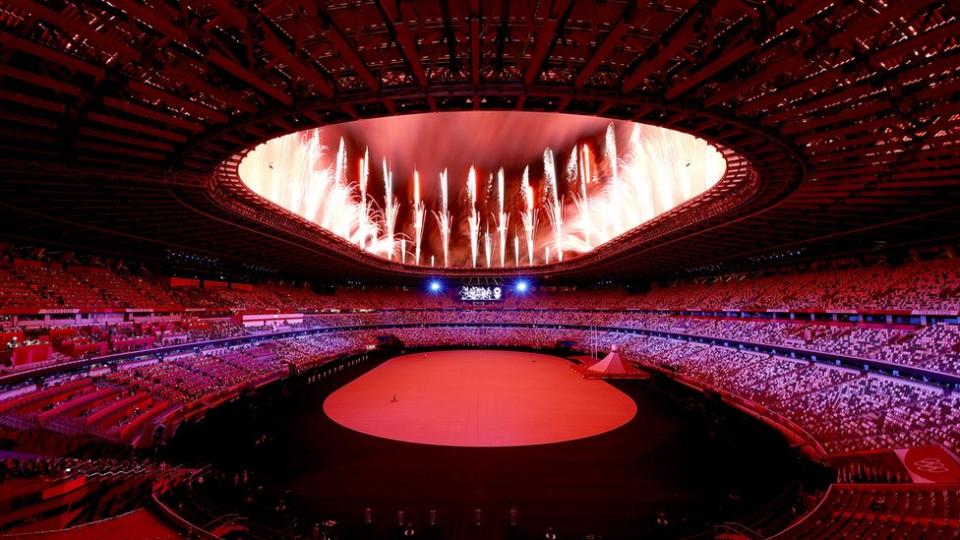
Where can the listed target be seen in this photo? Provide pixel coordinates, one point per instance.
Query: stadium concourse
(859, 372)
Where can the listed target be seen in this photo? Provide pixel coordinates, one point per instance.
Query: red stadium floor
(479, 399)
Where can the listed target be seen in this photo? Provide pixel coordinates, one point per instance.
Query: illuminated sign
(471, 293)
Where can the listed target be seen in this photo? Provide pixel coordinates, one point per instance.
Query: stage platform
(585, 362)
(479, 399)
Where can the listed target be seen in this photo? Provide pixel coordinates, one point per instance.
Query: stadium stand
(718, 336)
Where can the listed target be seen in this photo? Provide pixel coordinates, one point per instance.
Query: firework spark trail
(341, 227)
(529, 215)
(391, 209)
(639, 176)
(575, 237)
(473, 220)
(362, 211)
(285, 171)
(613, 182)
(586, 176)
(487, 246)
(570, 172)
(503, 221)
(309, 190)
(553, 206)
(340, 165)
(419, 216)
(516, 250)
(650, 180)
(666, 183)
(443, 217)
(610, 148)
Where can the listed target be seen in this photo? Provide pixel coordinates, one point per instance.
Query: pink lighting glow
(479, 399)
(559, 185)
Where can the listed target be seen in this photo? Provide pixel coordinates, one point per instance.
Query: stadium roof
(121, 121)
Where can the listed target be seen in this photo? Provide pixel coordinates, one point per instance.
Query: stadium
(481, 269)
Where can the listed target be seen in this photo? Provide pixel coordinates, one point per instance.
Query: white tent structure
(612, 365)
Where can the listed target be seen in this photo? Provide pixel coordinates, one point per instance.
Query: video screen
(471, 293)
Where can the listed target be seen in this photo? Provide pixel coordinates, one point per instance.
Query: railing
(252, 530)
(806, 516)
(175, 519)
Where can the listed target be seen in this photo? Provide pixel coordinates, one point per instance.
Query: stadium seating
(882, 511)
(716, 336)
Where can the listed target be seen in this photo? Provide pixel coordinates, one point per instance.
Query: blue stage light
(521, 286)
(435, 286)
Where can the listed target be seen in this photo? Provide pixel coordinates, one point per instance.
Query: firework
(419, 215)
(443, 218)
(363, 210)
(586, 176)
(553, 206)
(607, 193)
(487, 247)
(516, 250)
(529, 215)
(390, 210)
(503, 221)
(645, 182)
(473, 220)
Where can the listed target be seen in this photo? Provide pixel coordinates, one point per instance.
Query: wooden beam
(246, 75)
(397, 22)
(152, 114)
(195, 109)
(75, 27)
(475, 42)
(134, 126)
(606, 45)
(299, 66)
(545, 37)
(40, 80)
(671, 43)
(152, 18)
(46, 53)
(178, 74)
(350, 55)
(711, 68)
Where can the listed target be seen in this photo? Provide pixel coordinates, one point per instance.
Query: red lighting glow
(479, 399)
